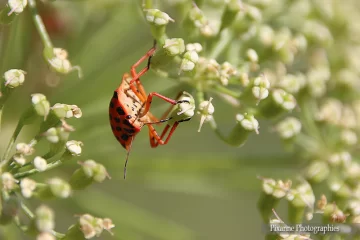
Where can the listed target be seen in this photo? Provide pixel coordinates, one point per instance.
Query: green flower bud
(272, 193)
(292, 83)
(340, 189)
(41, 106)
(266, 35)
(253, 13)
(57, 59)
(317, 78)
(300, 198)
(317, 32)
(27, 187)
(288, 128)
(40, 164)
(10, 209)
(189, 60)
(174, 46)
(206, 111)
(8, 182)
(333, 214)
(317, 172)
(14, 78)
(157, 17)
(352, 173)
(55, 187)
(260, 88)
(66, 111)
(278, 103)
(246, 124)
(44, 219)
(89, 172)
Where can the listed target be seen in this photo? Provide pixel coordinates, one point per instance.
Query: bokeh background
(196, 187)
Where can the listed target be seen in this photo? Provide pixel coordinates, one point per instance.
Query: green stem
(27, 211)
(40, 25)
(227, 91)
(220, 46)
(147, 4)
(12, 141)
(34, 170)
(1, 110)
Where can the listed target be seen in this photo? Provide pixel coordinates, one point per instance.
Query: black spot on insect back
(111, 104)
(118, 129)
(117, 120)
(115, 95)
(129, 130)
(120, 111)
(127, 123)
(125, 137)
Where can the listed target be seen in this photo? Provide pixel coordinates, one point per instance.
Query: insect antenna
(160, 121)
(127, 156)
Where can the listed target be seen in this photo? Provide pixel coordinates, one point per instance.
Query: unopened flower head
(348, 118)
(302, 195)
(40, 163)
(19, 159)
(92, 226)
(349, 137)
(27, 187)
(226, 71)
(317, 79)
(59, 187)
(292, 83)
(44, 219)
(194, 47)
(74, 147)
(289, 127)
(25, 149)
(108, 224)
(252, 55)
(189, 60)
(40, 104)
(60, 63)
(197, 17)
(260, 87)
(157, 17)
(317, 171)
(94, 170)
(253, 13)
(45, 236)
(8, 181)
(66, 111)
(174, 46)
(248, 122)
(284, 99)
(17, 6)
(206, 111)
(266, 35)
(278, 189)
(340, 159)
(14, 78)
(330, 111)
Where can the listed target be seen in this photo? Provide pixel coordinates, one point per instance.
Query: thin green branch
(225, 38)
(34, 170)
(40, 25)
(12, 141)
(27, 211)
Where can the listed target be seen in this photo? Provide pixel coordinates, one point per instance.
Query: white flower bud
(74, 147)
(194, 47)
(14, 78)
(19, 159)
(174, 46)
(44, 219)
(66, 111)
(40, 164)
(40, 104)
(17, 6)
(284, 99)
(252, 55)
(27, 186)
(59, 187)
(25, 149)
(206, 110)
(45, 236)
(248, 122)
(289, 127)
(60, 63)
(189, 60)
(157, 17)
(8, 181)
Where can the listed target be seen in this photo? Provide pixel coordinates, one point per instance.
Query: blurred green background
(196, 187)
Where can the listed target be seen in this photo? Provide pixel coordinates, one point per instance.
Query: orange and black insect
(129, 109)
